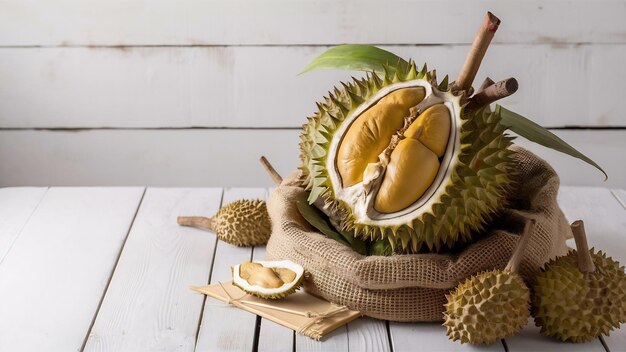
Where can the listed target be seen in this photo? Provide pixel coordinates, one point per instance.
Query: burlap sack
(413, 287)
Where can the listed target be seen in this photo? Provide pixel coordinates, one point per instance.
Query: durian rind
(573, 306)
(270, 293)
(487, 307)
(472, 190)
(243, 223)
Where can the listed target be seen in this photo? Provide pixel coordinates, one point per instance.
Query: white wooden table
(108, 269)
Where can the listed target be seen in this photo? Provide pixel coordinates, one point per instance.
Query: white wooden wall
(190, 93)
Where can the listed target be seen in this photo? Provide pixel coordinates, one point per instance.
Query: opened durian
(580, 296)
(268, 279)
(491, 305)
(398, 156)
(241, 223)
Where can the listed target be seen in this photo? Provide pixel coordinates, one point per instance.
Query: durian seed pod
(395, 156)
(268, 279)
(580, 296)
(242, 223)
(491, 305)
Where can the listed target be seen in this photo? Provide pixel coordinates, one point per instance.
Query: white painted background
(191, 93)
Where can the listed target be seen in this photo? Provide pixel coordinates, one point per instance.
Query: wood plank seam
(106, 287)
(208, 280)
(23, 225)
(389, 335)
(619, 200)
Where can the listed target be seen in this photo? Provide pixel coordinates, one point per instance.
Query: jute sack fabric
(413, 287)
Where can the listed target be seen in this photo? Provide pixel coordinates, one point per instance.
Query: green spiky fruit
(574, 306)
(268, 279)
(243, 223)
(398, 158)
(487, 307)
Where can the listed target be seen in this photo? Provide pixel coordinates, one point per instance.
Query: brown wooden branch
(486, 83)
(195, 221)
(585, 263)
(520, 249)
(271, 171)
(493, 93)
(477, 52)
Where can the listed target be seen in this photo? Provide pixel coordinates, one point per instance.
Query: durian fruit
(397, 156)
(580, 296)
(491, 305)
(241, 223)
(268, 279)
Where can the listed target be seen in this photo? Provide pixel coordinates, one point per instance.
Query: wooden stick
(493, 93)
(195, 221)
(270, 170)
(479, 47)
(585, 263)
(518, 255)
(486, 83)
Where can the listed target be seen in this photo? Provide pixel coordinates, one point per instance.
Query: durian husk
(487, 307)
(243, 223)
(574, 306)
(474, 190)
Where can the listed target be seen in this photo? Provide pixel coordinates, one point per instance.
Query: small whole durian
(491, 305)
(241, 223)
(580, 296)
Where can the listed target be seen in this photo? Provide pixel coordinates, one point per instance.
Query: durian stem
(195, 221)
(518, 255)
(585, 263)
(477, 52)
(486, 83)
(492, 93)
(270, 170)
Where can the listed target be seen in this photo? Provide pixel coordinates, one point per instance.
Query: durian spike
(486, 83)
(270, 170)
(492, 93)
(585, 264)
(479, 47)
(195, 221)
(518, 255)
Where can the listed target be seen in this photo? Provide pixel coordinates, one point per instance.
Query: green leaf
(320, 221)
(535, 133)
(357, 57)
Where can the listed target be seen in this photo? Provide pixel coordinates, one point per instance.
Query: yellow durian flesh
(412, 169)
(435, 126)
(286, 275)
(257, 274)
(371, 133)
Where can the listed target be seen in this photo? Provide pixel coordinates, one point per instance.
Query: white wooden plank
(605, 222)
(429, 337)
(336, 340)
(368, 334)
(16, 207)
(530, 339)
(272, 337)
(148, 305)
(156, 158)
(260, 86)
(225, 157)
(224, 327)
(74, 22)
(52, 281)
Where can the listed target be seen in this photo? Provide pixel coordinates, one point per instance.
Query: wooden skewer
(585, 263)
(479, 47)
(518, 255)
(493, 93)
(271, 171)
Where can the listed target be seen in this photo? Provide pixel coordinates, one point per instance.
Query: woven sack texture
(412, 287)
